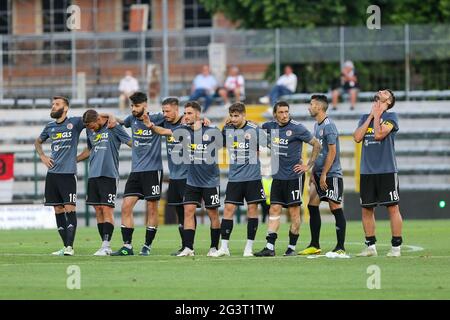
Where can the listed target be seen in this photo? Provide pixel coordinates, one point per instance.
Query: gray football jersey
(146, 150)
(379, 156)
(327, 133)
(64, 137)
(104, 145)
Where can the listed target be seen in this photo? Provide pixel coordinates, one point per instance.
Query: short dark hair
(280, 104)
(194, 105)
(392, 99)
(323, 100)
(90, 116)
(138, 97)
(66, 100)
(238, 107)
(171, 101)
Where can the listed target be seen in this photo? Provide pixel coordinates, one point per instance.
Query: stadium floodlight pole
(165, 86)
(341, 46)
(277, 53)
(74, 64)
(1, 67)
(407, 63)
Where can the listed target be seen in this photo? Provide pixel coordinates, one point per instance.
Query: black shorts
(334, 191)
(102, 191)
(145, 185)
(175, 192)
(195, 195)
(287, 192)
(251, 191)
(379, 189)
(60, 189)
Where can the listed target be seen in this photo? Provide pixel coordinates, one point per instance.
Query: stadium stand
(423, 144)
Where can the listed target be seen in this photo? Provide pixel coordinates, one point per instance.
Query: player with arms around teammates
(145, 179)
(103, 152)
(199, 149)
(242, 138)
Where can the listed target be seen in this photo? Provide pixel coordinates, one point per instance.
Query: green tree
(261, 14)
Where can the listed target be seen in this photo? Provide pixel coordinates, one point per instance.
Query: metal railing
(404, 57)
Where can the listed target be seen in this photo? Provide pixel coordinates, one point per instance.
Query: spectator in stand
(286, 84)
(204, 85)
(127, 86)
(234, 86)
(348, 84)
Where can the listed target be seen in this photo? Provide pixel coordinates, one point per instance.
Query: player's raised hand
(147, 122)
(47, 161)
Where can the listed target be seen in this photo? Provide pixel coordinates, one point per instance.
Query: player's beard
(138, 114)
(376, 97)
(57, 114)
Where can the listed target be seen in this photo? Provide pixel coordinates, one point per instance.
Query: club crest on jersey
(70, 126)
(205, 137)
(248, 136)
(321, 132)
(288, 133)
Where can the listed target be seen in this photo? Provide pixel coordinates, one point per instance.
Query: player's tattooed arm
(327, 166)
(45, 159)
(315, 151)
(83, 155)
(156, 129)
(300, 167)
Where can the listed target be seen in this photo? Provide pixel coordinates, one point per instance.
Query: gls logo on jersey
(240, 145)
(143, 132)
(99, 136)
(171, 139)
(370, 131)
(199, 146)
(280, 141)
(62, 135)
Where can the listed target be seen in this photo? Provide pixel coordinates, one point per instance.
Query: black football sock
(150, 233)
(293, 239)
(61, 224)
(127, 235)
(215, 237)
(340, 228)
(271, 238)
(396, 241)
(252, 227)
(108, 229)
(188, 236)
(180, 214)
(315, 224)
(100, 229)
(71, 227)
(370, 240)
(226, 227)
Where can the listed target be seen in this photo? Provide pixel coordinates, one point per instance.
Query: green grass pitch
(27, 271)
